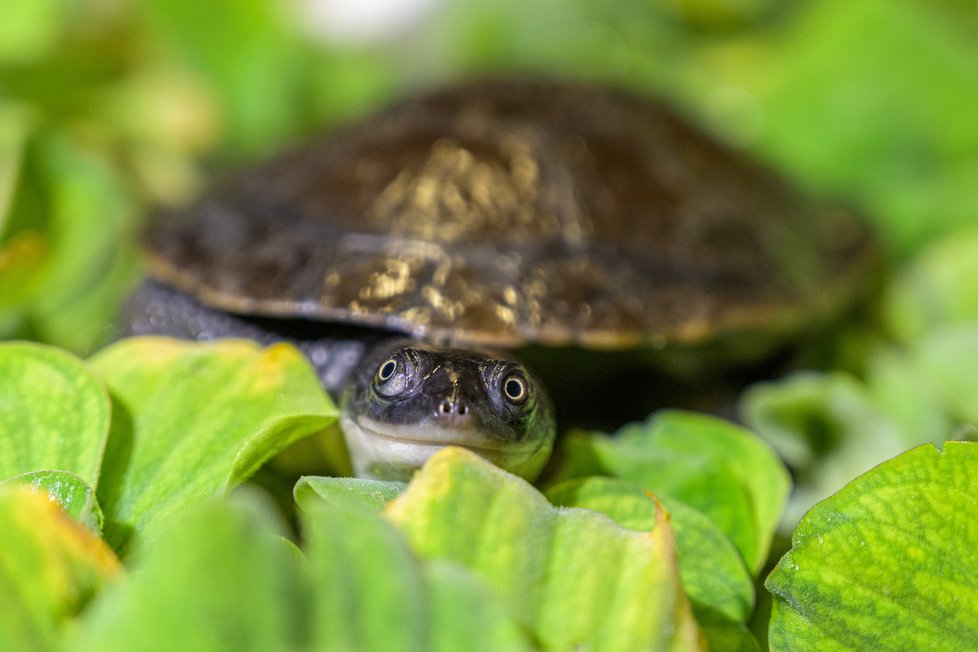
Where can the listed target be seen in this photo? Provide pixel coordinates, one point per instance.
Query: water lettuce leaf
(190, 421)
(827, 427)
(222, 578)
(219, 578)
(888, 562)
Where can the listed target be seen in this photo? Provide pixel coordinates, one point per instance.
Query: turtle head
(408, 400)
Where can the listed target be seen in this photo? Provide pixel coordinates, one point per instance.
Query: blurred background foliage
(109, 108)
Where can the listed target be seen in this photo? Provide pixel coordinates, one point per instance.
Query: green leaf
(939, 289)
(72, 494)
(191, 421)
(53, 413)
(50, 567)
(370, 591)
(713, 573)
(887, 563)
(696, 459)
(466, 615)
(572, 576)
(346, 492)
(218, 579)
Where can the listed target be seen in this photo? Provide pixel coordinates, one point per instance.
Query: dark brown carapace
(507, 213)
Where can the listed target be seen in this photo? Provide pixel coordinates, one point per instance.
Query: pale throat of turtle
(408, 400)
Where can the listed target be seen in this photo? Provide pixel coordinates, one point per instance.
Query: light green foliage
(931, 307)
(887, 563)
(572, 576)
(217, 579)
(714, 466)
(254, 44)
(53, 413)
(466, 615)
(49, 568)
(63, 263)
(864, 100)
(356, 587)
(190, 421)
(67, 213)
(28, 29)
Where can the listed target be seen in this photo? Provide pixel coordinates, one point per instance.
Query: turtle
(408, 253)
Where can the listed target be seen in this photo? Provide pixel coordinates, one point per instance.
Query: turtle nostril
(449, 407)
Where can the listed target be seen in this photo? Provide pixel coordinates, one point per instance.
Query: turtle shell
(506, 213)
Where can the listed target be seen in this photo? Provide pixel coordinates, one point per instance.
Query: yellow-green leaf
(574, 577)
(50, 566)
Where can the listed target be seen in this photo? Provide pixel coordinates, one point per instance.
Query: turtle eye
(394, 375)
(386, 369)
(515, 388)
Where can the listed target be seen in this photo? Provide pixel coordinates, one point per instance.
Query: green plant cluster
(123, 529)
(111, 108)
(141, 443)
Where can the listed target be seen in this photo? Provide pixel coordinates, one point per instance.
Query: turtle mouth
(438, 436)
(394, 451)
